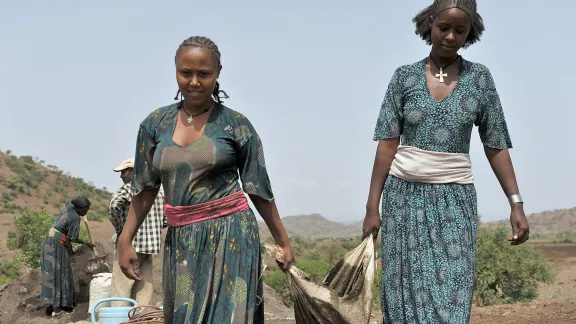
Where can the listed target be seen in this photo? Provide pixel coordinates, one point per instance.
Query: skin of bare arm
(139, 209)
(384, 156)
(269, 213)
(501, 164)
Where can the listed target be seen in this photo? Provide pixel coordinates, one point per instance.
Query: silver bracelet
(514, 199)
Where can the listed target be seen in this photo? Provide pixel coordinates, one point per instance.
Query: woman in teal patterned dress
(199, 149)
(429, 216)
(55, 267)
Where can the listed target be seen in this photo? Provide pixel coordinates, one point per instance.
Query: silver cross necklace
(443, 75)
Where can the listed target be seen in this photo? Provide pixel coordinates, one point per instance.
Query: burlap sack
(345, 296)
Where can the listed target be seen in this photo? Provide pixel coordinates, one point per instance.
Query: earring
(178, 93)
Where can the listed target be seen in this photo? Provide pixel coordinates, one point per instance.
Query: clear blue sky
(77, 77)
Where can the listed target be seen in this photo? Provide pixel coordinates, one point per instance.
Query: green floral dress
(212, 269)
(55, 266)
(429, 230)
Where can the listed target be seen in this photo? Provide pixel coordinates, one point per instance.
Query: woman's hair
(81, 202)
(206, 43)
(423, 20)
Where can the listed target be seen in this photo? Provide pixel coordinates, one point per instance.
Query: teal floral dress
(212, 269)
(55, 266)
(429, 230)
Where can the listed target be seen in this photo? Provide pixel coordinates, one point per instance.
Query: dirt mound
(20, 300)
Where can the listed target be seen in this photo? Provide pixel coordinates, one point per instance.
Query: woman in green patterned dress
(199, 149)
(423, 172)
(55, 267)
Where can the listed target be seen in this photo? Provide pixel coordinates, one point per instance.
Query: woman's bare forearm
(271, 216)
(501, 164)
(139, 209)
(384, 156)
(79, 241)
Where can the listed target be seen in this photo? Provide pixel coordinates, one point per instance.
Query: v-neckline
(451, 91)
(175, 123)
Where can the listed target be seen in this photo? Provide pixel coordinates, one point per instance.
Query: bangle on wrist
(515, 199)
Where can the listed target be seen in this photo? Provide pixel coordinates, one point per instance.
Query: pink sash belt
(186, 215)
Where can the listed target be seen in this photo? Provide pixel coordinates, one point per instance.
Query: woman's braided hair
(206, 43)
(423, 20)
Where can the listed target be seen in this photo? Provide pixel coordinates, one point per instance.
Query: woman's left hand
(520, 228)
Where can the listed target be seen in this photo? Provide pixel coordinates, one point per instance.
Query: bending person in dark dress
(56, 270)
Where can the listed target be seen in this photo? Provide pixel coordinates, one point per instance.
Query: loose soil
(556, 303)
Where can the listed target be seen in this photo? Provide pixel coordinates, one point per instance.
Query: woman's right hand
(371, 224)
(128, 261)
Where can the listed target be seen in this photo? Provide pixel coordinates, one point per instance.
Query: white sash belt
(417, 165)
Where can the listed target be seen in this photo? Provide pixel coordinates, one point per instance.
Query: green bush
(505, 273)
(316, 269)
(9, 271)
(95, 216)
(565, 238)
(277, 280)
(31, 230)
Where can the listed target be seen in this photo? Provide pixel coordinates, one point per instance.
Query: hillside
(28, 183)
(547, 222)
(315, 226)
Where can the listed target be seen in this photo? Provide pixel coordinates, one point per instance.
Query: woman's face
(82, 211)
(450, 29)
(196, 73)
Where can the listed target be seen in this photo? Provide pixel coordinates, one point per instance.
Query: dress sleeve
(73, 232)
(390, 120)
(251, 163)
(491, 123)
(144, 176)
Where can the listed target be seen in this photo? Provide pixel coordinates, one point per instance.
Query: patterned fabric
(212, 269)
(55, 266)
(429, 230)
(149, 236)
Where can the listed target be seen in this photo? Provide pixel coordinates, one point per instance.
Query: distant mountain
(315, 226)
(547, 222)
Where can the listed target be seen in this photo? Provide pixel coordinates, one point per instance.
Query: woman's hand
(371, 224)
(128, 261)
(520, 228)
(288, 259)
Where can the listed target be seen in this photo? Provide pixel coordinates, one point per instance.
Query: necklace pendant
(190, 119)
(441, 75)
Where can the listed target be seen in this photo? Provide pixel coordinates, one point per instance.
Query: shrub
(278, 281)
(316, 269)
(506, 273)
(27, 239)
(565, 238)
(9, 270)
